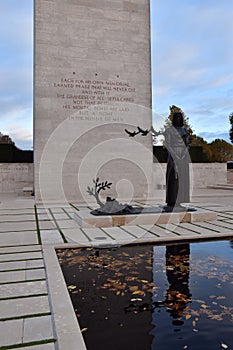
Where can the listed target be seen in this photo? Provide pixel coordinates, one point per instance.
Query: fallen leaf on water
(204, 306)
(84, 330)
(71, 287)
(195, 330)
(129, 278)
(118, 292)
(133, 288)
(138, 292)
(224, 346)
(136, 299)
(144, 281)
(221, 297)
(187, 317)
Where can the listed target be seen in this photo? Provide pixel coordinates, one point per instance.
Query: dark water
(153, 297)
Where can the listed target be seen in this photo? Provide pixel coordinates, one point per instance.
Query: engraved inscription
(78, 95)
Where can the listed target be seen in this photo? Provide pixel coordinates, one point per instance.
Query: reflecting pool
(144, 297)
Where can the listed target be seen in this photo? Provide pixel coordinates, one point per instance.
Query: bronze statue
(177, 141)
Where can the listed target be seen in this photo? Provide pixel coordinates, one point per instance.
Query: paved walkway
(26, 230)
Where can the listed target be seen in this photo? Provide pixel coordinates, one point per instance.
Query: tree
(199, 141)
(231, 129)
(221, 150)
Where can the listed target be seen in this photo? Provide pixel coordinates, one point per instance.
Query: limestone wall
(201, 174)
(15, 176)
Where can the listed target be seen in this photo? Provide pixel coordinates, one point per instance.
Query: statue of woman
(177, 142)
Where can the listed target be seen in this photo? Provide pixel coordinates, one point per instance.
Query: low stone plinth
(85, 219)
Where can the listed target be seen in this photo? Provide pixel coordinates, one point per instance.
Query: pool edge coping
(67, 331)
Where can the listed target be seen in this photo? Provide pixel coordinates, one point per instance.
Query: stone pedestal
(85, 219)
(92, 81)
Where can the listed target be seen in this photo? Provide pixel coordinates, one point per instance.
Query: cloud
(20, 135)
(17, 132)
(16, 70)
(211, 136)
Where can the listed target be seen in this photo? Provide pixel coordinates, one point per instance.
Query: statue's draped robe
(177, 175)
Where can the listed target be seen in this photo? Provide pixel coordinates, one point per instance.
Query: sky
(192, 65)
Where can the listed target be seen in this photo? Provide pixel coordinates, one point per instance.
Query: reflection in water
(177, 271)
(231, 244)
(177, 295)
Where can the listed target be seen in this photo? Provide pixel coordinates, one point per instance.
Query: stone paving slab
(14, 211)
(96, 233)
(22, 289)
(35, 274)
(61, 216)
(224, 224)
(18, 249)
(17, 226)
(11, 332)
(21, 307)
(67, 224)
(158, 231)
(44, 217)
(31, 264)
(38, 328)
(138, 232)
(21, 256)
(75, 235)
(19, 265)
(21, 275)
(18, 238)
(51, 236)
(12, 265)
(16, 218)
(180, 230)
(118, 233)
(12, 276)
(47, 225)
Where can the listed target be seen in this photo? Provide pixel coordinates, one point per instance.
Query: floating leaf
(72, 287)
(144, 281)
(224, 346)
(133, 288)
(118, 292)
(221, 297)
(138, 292)
(84, 330)
(204, 306)
(187, 317)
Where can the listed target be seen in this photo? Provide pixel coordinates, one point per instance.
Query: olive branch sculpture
(99, 186)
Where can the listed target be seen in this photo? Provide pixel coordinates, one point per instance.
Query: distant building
(5, 139)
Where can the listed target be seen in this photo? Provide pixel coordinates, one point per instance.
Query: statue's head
(178, 120)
